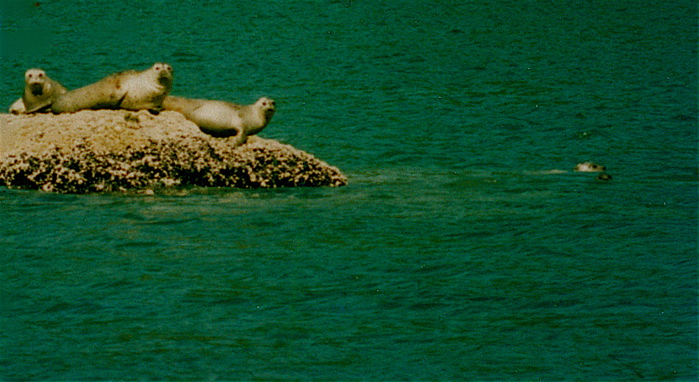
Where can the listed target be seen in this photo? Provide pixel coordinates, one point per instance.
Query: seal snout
(36, 88)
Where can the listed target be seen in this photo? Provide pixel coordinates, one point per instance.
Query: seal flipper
(119, 102)
(240, 139)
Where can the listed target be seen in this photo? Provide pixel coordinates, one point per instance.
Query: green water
(464, 248)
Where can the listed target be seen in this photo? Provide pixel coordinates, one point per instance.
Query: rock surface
(119, 150)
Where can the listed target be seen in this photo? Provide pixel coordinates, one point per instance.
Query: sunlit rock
(118, 150)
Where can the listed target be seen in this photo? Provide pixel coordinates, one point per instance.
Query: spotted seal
(224, 119)
(131, 90)
(40, 91)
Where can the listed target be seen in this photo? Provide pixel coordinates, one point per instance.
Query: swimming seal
(224, 119)
(131, 90)
(589, 167)
(40, 91)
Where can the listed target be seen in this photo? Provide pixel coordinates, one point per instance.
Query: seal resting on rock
(40, 91)
(224, 119)
(131, 90)
(589, 167)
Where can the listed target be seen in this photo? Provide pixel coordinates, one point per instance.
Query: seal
(131, 90)
(224, 119)
(40, 91)
(589, 167)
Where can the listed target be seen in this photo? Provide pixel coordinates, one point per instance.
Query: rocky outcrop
(119, 150)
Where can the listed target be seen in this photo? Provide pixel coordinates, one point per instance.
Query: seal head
(265, 109)
(589, 167)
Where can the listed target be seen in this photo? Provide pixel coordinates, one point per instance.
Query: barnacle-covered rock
(118, 150)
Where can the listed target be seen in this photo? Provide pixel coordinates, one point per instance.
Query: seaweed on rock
(108, 151)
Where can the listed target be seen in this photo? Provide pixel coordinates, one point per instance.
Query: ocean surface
(465, 246)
